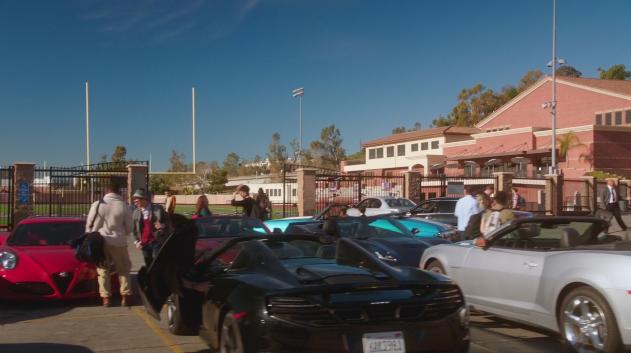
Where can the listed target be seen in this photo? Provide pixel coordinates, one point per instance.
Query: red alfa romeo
(36, 262)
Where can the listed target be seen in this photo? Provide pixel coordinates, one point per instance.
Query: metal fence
(6, 198)
(533, 192)
(576, 196)
(449, 186)
(59, 191)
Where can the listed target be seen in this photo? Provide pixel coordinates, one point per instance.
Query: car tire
(586, 320)
(230, 340)
(175, 321)
(436, 267)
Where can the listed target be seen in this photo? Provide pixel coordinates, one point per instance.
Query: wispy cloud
(157, 21)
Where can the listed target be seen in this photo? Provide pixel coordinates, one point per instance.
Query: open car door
(162, 277)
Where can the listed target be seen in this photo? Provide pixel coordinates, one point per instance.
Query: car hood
(50, 259)
(406, 250)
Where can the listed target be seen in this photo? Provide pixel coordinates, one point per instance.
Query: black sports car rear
(300, 293)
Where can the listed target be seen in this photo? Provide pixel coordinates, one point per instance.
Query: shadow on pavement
(43, 347)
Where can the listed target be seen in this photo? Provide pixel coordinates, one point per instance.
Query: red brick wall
(575, 107)
(612, 152)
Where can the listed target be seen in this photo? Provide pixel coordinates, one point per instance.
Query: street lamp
(299, 92)
(552, 105)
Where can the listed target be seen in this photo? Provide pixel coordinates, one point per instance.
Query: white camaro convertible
(561, 273)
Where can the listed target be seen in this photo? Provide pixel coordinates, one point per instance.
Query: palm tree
(566, 142)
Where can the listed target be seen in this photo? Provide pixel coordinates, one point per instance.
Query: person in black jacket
(250, 207)
(472, 230)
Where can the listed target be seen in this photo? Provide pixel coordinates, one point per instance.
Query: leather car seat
(570, 238)
(330, 228)
(326, 252)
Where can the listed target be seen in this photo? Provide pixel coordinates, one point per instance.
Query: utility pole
(87, 123)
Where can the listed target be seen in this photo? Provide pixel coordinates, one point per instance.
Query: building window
(390, 151)
(618, 116)
(293, 192)
(607, 118)
(401, 150)
(599, 119)
(379, 152)
(469, 170)
(628, 117)
(415, 145)
(424, 146)
(435, 145)
(371, 153)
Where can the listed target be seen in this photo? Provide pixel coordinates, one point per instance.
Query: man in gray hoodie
(114, 222)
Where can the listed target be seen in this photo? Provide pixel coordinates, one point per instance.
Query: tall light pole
(299, 92)
(193, 109)
(87, 124)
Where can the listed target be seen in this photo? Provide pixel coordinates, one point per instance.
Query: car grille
(430, 303)
(62, 280)
(36, 288)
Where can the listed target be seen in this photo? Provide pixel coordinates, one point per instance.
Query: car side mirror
(277, 231)
(415, 231)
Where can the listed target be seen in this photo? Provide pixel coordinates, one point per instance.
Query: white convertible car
(565, 274)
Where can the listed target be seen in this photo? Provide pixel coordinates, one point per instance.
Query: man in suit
(609, 198)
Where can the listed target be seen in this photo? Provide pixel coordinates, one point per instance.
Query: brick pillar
(136, 179)
(413, 186)
(624, 196)
(554, 194)
(589, 190)
(504, 181)
(24, 175)
(306, 190)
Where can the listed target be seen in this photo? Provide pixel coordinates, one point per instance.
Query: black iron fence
(450, 186)
(6, 197)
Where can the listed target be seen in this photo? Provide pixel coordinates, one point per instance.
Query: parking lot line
(166, 339)
(72, 318)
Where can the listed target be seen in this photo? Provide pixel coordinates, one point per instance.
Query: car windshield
(49, 233)
(555, 235)
(222, 227)
(366, 227)
(400, 203)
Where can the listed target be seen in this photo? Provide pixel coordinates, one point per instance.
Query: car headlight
(8, 260)
(386, 256)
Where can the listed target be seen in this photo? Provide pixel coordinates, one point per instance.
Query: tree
(615, 72)
(177, 162)
(277, 154)
(328, 151)
(158, 184)
(103, 158)
(399, 130)
(119, 154)
(217, 180)
(566, 142)
(357, 156)
(568, 71)
(231, 164)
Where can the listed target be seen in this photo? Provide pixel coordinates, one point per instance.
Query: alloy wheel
(171, 310)
(584, 324)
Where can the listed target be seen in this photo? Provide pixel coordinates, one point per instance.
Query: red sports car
(37, 263)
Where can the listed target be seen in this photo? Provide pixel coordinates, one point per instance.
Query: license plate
(382, 342)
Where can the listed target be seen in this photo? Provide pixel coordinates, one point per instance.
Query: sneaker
(106, 302)
(126, 300)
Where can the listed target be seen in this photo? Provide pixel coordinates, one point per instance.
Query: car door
(505, 277)
(354, 211)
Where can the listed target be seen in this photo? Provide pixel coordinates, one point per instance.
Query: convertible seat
(570, 238)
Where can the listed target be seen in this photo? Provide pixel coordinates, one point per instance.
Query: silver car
(382, 205)
(565, 274)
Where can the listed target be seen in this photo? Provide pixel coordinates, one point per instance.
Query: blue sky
(366, 65)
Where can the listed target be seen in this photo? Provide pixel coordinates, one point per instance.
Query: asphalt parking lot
(85, 327)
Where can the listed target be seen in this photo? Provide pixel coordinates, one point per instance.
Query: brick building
(517, 137)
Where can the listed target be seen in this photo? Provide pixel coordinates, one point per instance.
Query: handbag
(89, 246)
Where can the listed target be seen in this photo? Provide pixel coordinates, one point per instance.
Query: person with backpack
(264, 204)
(498, 215)
(250, 206)
(112, 218)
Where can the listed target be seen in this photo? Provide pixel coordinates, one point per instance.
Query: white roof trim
(459, 143)
(615, 128)
(566, 130)
(512, 102)
(593, 89)
(521, 130)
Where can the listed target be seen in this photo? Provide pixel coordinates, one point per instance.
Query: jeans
(150, 251)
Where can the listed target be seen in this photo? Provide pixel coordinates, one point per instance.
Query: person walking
(472, 230)
(518, 201)
(250, 208)
(466, 207)
(151, 225)
(264, 205)
(170, 202)
(201, 208)
(112, 218)
(609, 198)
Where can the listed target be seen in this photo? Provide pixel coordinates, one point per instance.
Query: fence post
(554, 193)
(504, 181)
(24, 175)
(589, 190)
(306, 190)
(136, 179)
(625, 197)
(412, 186)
